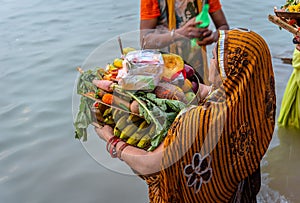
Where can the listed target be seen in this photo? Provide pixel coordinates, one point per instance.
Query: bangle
(121, 149)
(112, 150)
(172, 35)
(172, 32)
(108, 144)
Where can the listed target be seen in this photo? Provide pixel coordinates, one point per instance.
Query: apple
(195, 86)
(189, 70)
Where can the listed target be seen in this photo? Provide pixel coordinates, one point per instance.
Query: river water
(41, 45)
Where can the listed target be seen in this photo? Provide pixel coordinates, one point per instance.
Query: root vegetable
(107, 98)
(170, 91)
(106, 85)
(134, 107)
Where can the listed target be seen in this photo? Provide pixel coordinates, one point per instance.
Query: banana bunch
(134, 130)
(103, 115)
(107, 115)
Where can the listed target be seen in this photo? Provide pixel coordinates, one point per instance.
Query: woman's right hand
(190, 30)
(296, 40)
(104, 132)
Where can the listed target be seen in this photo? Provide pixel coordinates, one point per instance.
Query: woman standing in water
(290, 107)
(212, 151)
(179, 17)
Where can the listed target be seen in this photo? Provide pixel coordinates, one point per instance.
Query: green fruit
(190, 96)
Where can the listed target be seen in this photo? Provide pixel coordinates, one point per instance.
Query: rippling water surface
(41, 45)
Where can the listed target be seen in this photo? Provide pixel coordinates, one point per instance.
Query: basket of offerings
(289, 12)
(139, 94)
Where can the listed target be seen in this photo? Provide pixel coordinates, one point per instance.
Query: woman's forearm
(141, 161)
(158, 39)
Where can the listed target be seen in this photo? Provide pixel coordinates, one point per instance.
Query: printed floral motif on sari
(237, 59)
(242, 140)
(270, 100)
(198, 172)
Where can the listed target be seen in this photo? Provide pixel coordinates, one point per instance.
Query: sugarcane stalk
(281, 23)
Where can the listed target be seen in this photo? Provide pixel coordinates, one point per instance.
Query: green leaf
(162, 112)
(83, 118)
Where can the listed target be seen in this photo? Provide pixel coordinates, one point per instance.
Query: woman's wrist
(111, 146)
(216, 36)
(205, 90)
(174, 35)
(123, 145)
(115, 147)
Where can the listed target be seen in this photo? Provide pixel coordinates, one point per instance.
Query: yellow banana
(133, 118)
(116, 114)
(122, 123)
(117, 132)
(144, 142)
(107, 112)
(109, 121)
(135, 138)
(128, 131)
(143, 126)
(141, 131)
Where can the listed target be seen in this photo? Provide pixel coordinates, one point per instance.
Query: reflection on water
(280, 170)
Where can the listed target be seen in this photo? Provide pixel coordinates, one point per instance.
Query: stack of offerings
(138, 94)
(289, 13)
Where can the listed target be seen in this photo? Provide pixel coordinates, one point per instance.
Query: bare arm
(160, 38)
(219, 20)
(151, 38)
(139, 160)
(220, 23)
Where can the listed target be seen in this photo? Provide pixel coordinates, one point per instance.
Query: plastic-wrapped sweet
(142, 70)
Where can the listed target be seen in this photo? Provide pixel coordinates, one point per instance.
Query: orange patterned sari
(213, 151)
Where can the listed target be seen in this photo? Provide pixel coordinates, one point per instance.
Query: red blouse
(150, 8)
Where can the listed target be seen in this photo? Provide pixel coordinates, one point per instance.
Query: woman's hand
(296, 41)
(209, 37)
(141, 161)
(105, 132)
(205, 35)
(190, 30)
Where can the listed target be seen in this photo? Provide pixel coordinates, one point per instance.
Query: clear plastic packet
(143, 70)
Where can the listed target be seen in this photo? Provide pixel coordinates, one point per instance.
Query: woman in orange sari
(173, 19)
(212, 151)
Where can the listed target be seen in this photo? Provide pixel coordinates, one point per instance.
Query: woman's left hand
(105, 132)
(209, 37)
